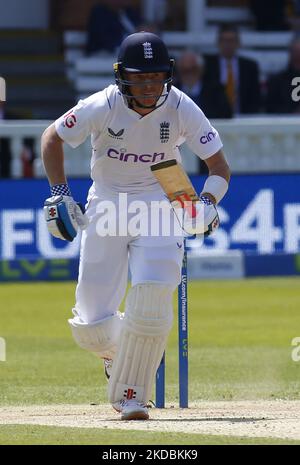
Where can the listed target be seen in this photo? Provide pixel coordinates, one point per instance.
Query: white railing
(16, 131)
(258, 144)
(262, 144)
(77, 161)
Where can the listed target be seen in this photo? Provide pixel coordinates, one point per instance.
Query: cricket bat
(176, 184)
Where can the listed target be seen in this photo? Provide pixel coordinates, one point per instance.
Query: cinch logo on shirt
(208, 136)
(133, 157)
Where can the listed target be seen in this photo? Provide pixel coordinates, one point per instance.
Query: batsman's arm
(63, 215)
(53, 156)
(217, 182)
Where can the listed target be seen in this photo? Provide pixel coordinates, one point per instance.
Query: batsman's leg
(147, 322)
(102, 282)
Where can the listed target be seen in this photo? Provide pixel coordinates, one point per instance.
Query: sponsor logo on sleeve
(208, 137)
(70, 120)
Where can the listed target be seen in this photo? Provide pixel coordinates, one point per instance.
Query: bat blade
(174, 181)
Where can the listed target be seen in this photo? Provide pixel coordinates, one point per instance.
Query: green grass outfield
(240, 335)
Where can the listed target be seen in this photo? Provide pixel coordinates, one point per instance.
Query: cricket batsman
(136, 123)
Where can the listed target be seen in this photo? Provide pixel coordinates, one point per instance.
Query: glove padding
(198, 218)
(64, 217)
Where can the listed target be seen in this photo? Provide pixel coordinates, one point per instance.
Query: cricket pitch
(268, 419)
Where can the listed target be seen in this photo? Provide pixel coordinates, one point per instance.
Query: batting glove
(199, 217)
(64, 217)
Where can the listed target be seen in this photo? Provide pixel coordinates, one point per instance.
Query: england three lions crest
(164, 132)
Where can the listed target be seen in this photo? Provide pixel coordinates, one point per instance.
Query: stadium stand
(268, 49)
(33, 63)
(202, 19)
(28, 80)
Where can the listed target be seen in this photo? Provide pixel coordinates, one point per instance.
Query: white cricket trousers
(104, 261)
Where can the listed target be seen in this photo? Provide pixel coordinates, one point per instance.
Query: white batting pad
(146, 325)
(100, 337)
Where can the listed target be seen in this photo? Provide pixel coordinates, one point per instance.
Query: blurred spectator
(207, 94)
(109, 22)
(269, 14)
(27, 157)
(239, 75)
(27, 154)
(279, 87)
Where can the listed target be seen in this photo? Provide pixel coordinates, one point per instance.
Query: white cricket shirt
(125, 144)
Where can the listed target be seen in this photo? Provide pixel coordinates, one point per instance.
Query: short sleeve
(202, 138)
(86, 117)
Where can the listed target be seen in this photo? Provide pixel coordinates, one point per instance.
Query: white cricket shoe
(108, 363)
(131, 410)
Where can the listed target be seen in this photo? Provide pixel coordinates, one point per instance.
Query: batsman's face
(146, 87)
